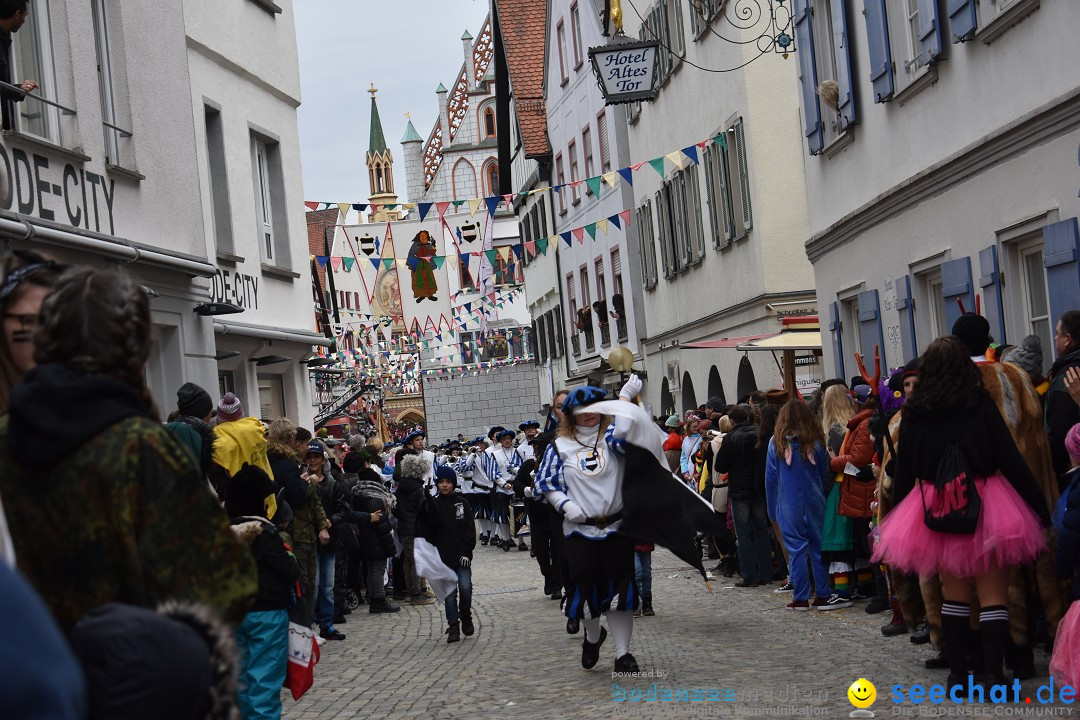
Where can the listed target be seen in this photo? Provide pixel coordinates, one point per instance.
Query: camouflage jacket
(310, 519)
(126, 518)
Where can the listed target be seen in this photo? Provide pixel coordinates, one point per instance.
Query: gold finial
(616, 14)
(408, 116)
(372, 91)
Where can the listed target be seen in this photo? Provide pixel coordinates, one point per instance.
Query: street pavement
(740, 652)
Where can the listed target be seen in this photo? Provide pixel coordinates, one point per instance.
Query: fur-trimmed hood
(275, 447)
(248, 528)
(414, 466)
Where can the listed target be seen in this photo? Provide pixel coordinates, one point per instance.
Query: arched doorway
(716, 385)
(689, 398)
(411, 416)
(667, 400)
(747, 383)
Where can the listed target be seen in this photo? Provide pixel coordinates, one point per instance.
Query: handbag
(720, 494)
(857, 494)
(956, 504)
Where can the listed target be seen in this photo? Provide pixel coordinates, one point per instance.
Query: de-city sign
(626, 69)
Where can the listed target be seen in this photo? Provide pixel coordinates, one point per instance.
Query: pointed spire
(466, 35)
(411, 135)
(376, 142)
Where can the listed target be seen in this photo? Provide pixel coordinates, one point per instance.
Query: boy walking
(448, 523)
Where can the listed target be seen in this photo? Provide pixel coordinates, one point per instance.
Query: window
(491, 178)
(935, 301)
(664, 22)
(997, 16)
(464, 179)
(575, 31)
(111, 81)
(575, 198)
(647, 240)
(586, 149)
(505, 269)
(560, 36)
(489, 122)
(468, 348)
(602, 137)
(32, 59)
(828, 94)
(851, 329)
(585, 313)
(496, 346)
(548, 321)
(600, 307)
(728, 187)
(574, 316)
(1036, 303)
(272, 220)
(219, 181)
(560, 178)
(263, 201)
(701, 13)
(271, 397)
(618, 302)
(910, 59)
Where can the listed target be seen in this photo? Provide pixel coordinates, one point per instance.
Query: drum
(519, 517)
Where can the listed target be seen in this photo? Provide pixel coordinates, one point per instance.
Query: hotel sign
(626, 70)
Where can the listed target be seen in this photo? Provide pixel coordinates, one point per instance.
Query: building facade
(721, 238)
(244, 90)
(972, 140)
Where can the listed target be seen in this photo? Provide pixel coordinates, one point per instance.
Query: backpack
(956, 505)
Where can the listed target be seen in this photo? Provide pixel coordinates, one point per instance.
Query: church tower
(380, 163)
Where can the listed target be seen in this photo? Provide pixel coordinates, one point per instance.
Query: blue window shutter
(836, 329)
(845, 104)
(905, 305)
(804, 41)
(1061, 248)
(870, 330)
(877, 40)
(956, 285)
(929, 30)
(990, 282)
(962, 19)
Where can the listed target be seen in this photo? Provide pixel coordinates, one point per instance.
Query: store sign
(32, 184)
(626, 70)
(230, 286)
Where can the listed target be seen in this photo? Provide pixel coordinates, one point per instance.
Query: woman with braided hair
(27, 279)
(116, 511)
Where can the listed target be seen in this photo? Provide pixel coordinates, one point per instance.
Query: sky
(406, 48)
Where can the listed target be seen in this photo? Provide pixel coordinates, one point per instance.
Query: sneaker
(483, 539)
(938, 662)
(833, 602)
(785, 588)
(522, 545)
(331, 634)
(626, 663)
(858, 594)
(320, 640)
(798, 605)
(590, 652)
(421, 600)
(878, 605)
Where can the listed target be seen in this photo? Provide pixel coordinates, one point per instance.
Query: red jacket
(673, 442)
(858, 448)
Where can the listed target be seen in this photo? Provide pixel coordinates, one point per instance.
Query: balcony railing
(575, 345)
(620, 328)
(605, 335)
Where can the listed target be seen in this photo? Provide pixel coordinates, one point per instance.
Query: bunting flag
(614, 220)
(627, 176)
(492, 204)
(542, 245)
(579, 233)
(676, 159)
(344, 208)
(591, 229)
(602, 225)
(594, 185)
(691, 152)
(658, 165)
(474, 205)
(424, 209)
(566, 237)
(441, 207)
(609, 178)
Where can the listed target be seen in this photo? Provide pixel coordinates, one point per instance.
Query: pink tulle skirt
(1065, 662)
(1008, 533)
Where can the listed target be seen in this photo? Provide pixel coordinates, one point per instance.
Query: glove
(528, 491)
(632, 388)
(464, 561)
(573, 512)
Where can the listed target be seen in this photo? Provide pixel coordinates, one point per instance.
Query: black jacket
(980, 433)
(278, 569)
(1061, 412)
(376, 539)
(338, 510)
(410, 496)
(448, 525)
(1067, 553)
(8, 97)
(524, 478)
(287, 476)
(737, 457)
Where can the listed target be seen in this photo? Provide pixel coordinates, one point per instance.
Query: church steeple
(380, 163)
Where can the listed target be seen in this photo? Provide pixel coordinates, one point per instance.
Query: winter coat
(524, 479)
(1067, 521)
(277, 566)
(369, 495)
(197, 435)
(690, 446)
(857, 448)
(410, 499)
(448, 525)
(1061, 412)
(794, 494)
(309, 519)
(338, 510)
(737, 457)
(286, 467)
(124, 516)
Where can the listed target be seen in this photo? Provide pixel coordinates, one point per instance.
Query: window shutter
(877, 41)
(905, 305)
(724, 176)
(695, 194)
(845, 105)
(710, 194)
(640, 214)
(990, 282)
(929, 30)
(662, 232)
(651, 226)
(804, 40)
(956, 285)
(836, 328)
(962, 19)
(744, 177)
(870, 330)
(1061, 249)
(616, 263)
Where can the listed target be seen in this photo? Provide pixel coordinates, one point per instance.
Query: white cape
(441, 578)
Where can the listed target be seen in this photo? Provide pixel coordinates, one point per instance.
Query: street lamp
(621, 360)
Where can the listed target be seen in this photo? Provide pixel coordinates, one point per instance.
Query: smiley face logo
(862, 693)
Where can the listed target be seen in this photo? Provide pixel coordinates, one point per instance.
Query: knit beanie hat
(672, 422)
(1027, 356)
(974, 331)
(230, 408)
(192, 400)
(445, 472)
(1072, 443)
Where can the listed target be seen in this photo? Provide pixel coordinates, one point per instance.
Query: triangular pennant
(602, 226)
(591, 229)
(311, 205)
(474, 205)
(441, 207)
(625, 215)
(349, 263)
(452, 262)
(658, 165)
(344, 209)
(504, 253)
(566, 238)
(437, 261)
(614, 220)
(530, 248)
(322, 260)
(720, 140)
(424, 209)
(390, 206)
(542, 245)
(676, 158)
(492, 204)
(594, 185)
(374, 208)
(637, 166)
(579, 233)
(359, 207)
(376, 262)
(335, 263)
(609, 178)
(491, 255)
(626, 175)
(388, 263)
(458, 203)
(509, 198)
(691, 152)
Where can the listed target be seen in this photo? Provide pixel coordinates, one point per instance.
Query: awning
(263, 333)
(790, 340)
(726, 342)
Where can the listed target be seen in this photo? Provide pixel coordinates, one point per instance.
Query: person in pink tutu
(950, 406)
(1065, 662)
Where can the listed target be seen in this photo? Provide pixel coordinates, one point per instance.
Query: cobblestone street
(521, 663)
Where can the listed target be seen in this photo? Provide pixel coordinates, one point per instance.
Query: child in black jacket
(448, 525)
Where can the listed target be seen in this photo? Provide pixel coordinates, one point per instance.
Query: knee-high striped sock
(957, 631)
(842, 584)
(866, 582)
(994, 627)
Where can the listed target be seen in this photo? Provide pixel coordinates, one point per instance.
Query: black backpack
(956, 505)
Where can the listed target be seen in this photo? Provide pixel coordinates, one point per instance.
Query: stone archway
(716, 385)
(667, 400)
(410, 416)
(689, 397)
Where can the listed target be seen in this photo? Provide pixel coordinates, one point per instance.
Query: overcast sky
(405, 47)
